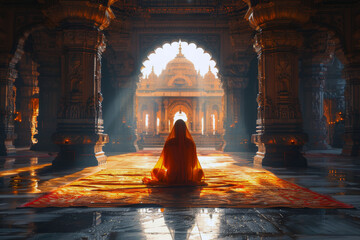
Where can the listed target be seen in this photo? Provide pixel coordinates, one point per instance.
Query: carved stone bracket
(276, 12)
(83, 12)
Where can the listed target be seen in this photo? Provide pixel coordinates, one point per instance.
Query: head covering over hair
(178, 163)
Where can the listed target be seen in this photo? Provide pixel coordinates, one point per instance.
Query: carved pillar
(197, 118)
(352, 106)
(48, 57)
(313, 105)
(122, 131)
(194, 120)
(279, 135)
(8, 74)
(123, 136)
(235, 80)
(334, 107)
(160, 108)
(49, 96)
(166, 106)
(318, 51)
(200, 112)
(162, 119)
(153, 114)
(27, 98)
(80, 133)
(205, 114)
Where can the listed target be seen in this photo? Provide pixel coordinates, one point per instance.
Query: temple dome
(180, 62)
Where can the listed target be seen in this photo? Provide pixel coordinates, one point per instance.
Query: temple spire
(180, 54)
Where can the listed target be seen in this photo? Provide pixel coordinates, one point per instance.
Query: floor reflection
(180, 223)
(181, 226)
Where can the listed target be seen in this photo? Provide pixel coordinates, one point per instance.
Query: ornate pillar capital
(80, 12)
(273, 40)
(72, 39)
(240, 34)
(275, 13)
(235, 72)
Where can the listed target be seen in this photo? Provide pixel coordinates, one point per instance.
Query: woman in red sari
(178, 163)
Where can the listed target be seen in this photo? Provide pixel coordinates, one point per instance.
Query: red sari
(178, 163)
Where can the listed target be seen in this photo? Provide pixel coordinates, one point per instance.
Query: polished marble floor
(29, 174)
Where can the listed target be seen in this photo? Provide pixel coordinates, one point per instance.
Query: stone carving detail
(235, 73)
(283, 72)
(78, 110)
(75, 73)
(275, 39)
(99, 105)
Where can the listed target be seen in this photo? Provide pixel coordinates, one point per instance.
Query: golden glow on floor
(229, 185)
(24, 169)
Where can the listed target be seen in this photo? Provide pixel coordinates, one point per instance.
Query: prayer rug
(233, 187)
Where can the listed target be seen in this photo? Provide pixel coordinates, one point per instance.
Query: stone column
(8, 74)
(26, 95)
(122, 132)
(154, 117)
(235, 80)
(200, 112)
(352, 106)
(80, 133)
(166, 107)
(47, 55)
(162, 119)
(159, 104)
(279, 135)
(313, 77)
(194, 105)
(318, 51)
(204, 109)
(335, 112)
(49, 96)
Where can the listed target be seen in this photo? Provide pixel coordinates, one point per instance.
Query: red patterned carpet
(228, 186)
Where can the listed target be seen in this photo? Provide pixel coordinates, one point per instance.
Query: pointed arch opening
(179, 79)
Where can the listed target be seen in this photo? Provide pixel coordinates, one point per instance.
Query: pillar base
(236, 147)
(236, 141)
(351, 145)
(78, 156)
(7, 148)
(45, 146)
(279, 150)
(280, 156)
(82, 150)
(7, 144)
(123, 141)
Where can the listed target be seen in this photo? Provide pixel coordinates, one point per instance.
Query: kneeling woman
(178, 163)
